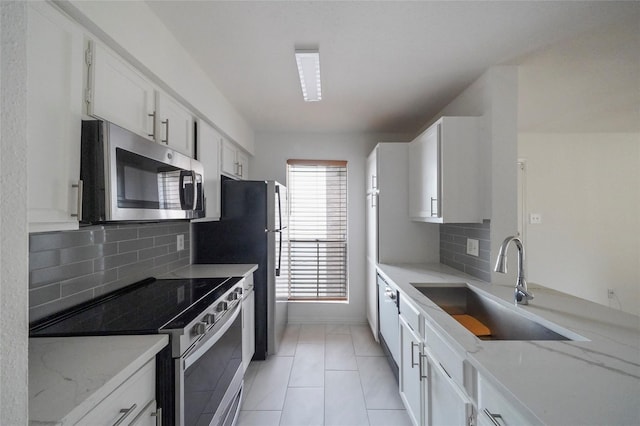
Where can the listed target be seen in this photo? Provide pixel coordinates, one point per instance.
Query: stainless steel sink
(503, 320)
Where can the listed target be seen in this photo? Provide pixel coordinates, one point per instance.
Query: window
(317, 229)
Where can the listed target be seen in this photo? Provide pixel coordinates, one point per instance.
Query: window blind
(317, 229)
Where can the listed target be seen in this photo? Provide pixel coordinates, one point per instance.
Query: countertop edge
(553, 306)
(80, 409)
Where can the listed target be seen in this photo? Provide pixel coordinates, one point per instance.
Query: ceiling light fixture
(309, 71)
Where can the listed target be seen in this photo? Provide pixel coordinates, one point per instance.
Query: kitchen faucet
(522, 295)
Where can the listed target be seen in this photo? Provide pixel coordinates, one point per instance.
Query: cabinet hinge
(88, 97)
(88, 56)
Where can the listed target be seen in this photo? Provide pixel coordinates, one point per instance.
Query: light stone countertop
(213, 271)
(68, 376)
(591, 382)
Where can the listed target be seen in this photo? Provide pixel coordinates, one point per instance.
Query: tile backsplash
(70, 267)
(453, 248)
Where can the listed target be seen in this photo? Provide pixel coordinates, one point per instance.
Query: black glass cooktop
(141, 308)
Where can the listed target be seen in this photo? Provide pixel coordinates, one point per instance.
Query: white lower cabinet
(130, 401)
(495, 410)
(148, 416)
(248, 323)
(449, 405)
(412, 387)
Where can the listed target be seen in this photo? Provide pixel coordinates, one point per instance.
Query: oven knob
(209, 319)
(199, 329)
(232, 296)
(239, 291)
(222, 306)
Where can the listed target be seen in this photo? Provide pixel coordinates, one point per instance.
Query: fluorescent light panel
(309, 72)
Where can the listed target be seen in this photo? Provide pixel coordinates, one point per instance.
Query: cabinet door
(149, 416)
(127, 401)
(119, 93)
(174, 124)
(229, 164)
(372, 173)
(248, 328)
(448, 404)
(372, 298)
(54, 113)
(410, 372)
(424, 174)
(209, 155)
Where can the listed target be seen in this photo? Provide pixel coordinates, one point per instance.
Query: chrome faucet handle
(522, 295)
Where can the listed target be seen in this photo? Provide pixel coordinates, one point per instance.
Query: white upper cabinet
(209, 142)
(234, 162)
(445, 177)
(118, 93)
(174, 124)
(54, 113)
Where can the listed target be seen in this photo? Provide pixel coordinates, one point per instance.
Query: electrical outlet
(535, 218)
(180, 242)
(611, 293)
(473, 247)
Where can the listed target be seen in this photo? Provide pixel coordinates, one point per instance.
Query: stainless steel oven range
(199, 375)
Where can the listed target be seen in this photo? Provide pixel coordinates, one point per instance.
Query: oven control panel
(216, 311)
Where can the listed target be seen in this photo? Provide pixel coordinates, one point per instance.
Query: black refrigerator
(253, 229)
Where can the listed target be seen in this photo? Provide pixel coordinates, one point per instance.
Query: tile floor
(333, 375)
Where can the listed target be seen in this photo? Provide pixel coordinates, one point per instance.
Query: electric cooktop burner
(142, 308)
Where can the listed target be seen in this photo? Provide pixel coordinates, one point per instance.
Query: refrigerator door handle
(279, 208)
(279, 267)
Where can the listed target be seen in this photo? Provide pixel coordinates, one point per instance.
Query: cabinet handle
(153, 125)
(374, 198)
(421, 365)
(241, 169)
(125, 413)
(158, 415)
(494, 417)
(166, 141)
(434, 212)
(374, 183)
(413, 363)
(80, 187)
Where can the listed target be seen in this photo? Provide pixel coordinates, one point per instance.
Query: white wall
(272, 152)
(494, 97)
(156, 51)
(588, 240)
(13, 221)
(580, 137)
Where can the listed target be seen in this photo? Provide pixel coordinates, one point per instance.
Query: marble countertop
(592, 381)
(69, 375)
(213, 271)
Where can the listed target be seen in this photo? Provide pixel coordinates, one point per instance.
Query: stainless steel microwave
(128, 178)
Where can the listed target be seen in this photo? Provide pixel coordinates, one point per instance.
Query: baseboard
(321, 319)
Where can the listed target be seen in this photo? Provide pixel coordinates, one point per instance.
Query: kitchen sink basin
(503, 320)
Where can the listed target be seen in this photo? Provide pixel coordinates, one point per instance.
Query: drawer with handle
(127, 401)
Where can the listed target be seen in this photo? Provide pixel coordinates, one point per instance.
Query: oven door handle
(207, 342)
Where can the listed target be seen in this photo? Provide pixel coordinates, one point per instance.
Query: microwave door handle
(181, 191)
(185, 203)
(195, 190)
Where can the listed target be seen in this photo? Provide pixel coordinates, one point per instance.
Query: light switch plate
(180, 242)
(473, 247)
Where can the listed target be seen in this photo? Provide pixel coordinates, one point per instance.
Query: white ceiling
(387, 67)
